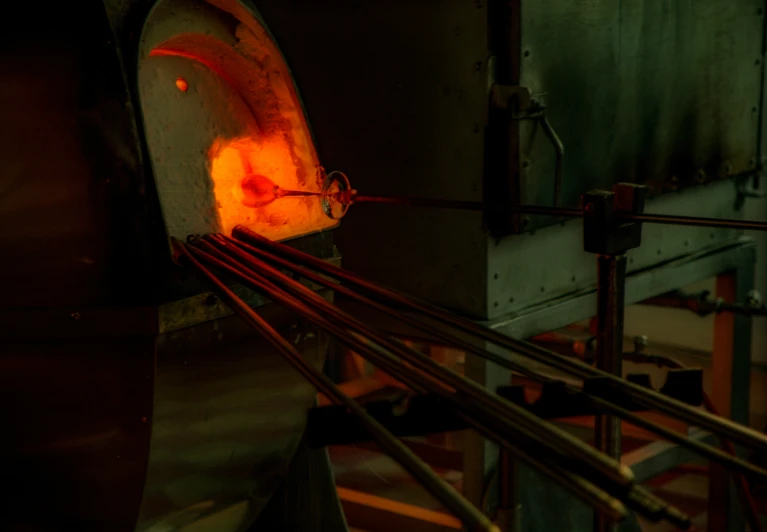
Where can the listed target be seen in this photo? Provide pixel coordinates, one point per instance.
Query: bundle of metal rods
(598, 480)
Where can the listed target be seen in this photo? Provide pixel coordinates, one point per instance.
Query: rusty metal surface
(658, 92)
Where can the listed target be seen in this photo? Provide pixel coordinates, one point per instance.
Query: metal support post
(508, 513)
(610, 238)
(610, 304)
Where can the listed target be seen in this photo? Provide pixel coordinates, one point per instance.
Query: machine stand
(605, 234)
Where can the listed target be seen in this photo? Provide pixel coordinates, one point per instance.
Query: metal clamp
(604, 231)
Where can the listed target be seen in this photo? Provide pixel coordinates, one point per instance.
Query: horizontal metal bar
(542, 210)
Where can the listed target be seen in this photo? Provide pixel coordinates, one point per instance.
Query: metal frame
(733, 261)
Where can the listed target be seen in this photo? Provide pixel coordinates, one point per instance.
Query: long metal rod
(637, 498)
(710, 452)
(554, 437)
(465, 511)
(541, 210)
(611, 277)
(581, 488)
(649, 398)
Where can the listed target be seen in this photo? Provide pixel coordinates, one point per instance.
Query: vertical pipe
(611, 275)
(508, 507)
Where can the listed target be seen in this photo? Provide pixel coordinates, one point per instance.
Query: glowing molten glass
(259, 190)
(249, 173)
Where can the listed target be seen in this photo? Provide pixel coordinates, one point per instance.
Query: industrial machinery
(171, 270)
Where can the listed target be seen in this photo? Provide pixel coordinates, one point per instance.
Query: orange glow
(182, 85)
(259, 190)
(245, 195)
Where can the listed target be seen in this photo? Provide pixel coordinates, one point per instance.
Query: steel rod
(420, 202)
(581, 488)
(611, 276)
(465, 511)
(709, 452)
(642, 502)
(649, 398)
(542, 210)
(552, 435)
(636, 498)
(720, 223)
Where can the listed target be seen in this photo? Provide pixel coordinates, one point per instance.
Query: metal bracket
(502, 95)
(604, 232)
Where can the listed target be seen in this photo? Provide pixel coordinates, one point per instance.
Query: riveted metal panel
(529, 269)
(658, 91)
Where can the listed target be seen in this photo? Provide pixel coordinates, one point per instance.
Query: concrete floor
(374, 473)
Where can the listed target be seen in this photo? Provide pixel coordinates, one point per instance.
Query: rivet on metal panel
(511, 300)
(526, 53)
(495, 304)
(572, 278)
(543, 289)
(495, 276)
(759, 12)
(757, 61)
